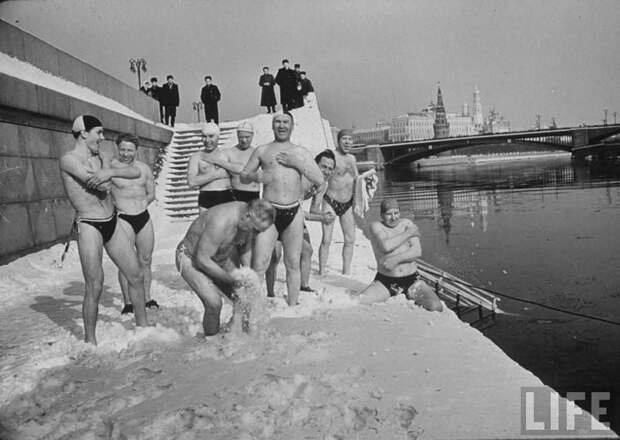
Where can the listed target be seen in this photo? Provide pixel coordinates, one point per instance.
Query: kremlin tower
(441, 126)
(477, 111)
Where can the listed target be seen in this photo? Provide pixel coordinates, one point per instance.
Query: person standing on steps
(132, 198)
(212, 180)
(169, 98)
(285, 78)
(210, 96)
(86, 176)
(267, 96)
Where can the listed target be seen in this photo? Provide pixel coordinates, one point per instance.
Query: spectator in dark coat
(169, 98)
(285, 78)
(306, 85)
(210, 95)
(298, 98)
(155, 93)
(267, 95)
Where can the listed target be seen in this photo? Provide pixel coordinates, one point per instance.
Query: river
(543, 230)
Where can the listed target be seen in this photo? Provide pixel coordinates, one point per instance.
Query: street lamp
(197, 105)
(135, 66)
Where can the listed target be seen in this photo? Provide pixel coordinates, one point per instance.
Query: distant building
(477, 111)
(376, 135)
(412, 127)
(441, 127)
(496, 123)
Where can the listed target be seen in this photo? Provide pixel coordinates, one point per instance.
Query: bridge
(580, 141)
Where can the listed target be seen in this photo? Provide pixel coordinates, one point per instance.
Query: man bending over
(216, 243)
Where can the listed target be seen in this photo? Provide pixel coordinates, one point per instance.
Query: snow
(326, 369)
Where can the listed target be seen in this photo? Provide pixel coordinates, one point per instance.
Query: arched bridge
(581, 141)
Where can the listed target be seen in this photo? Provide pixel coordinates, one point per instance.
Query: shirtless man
(86, 177)
(339, 199)
(282, 164)
(212, 180)
(326, 162)
(238, 157)
(131, 198)
(396, 244)
(216, 243)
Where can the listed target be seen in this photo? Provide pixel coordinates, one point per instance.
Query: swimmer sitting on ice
(216, 243)
(396, 244)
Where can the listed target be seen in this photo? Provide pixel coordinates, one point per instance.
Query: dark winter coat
(267, 96)
(285, 78)
(169, 95)
(210, 94)
(306, 86)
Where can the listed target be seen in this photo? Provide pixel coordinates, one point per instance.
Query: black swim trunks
(209, 199)
(137, 221)
(397, 285)
(245, 196)
(339, 207)
(284, 216)
(105, 226)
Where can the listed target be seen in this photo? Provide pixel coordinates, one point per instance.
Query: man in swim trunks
(86, 175)
(282, 164)
(235, 159)
(396, 244)
(326, 162)
(212, 180)
(131, 198)
(216, 243)
(339, 199)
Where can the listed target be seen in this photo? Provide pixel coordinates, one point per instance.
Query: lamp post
(135, 66)
(197, 105)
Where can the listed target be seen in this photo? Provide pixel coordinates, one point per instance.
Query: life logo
(545, 412)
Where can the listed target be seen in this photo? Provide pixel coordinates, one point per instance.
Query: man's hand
(390, 263)
(328, 217)
(98, 177)
(289, 160)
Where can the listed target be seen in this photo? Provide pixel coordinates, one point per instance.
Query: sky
(368, 60)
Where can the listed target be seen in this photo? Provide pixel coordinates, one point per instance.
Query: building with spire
(441, 127)
(477, 111)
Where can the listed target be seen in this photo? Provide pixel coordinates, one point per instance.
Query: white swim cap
(210, 128)
(245, 126)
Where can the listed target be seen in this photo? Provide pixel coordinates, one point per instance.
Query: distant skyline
(368, 60)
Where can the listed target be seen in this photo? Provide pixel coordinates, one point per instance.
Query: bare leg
(90, 248)
(123, 254)
(305, 263)
(325, 241)
(347, 223)
(264, 244)
(422, 295)
(145, 241)
(292, 238)
(375, 292)
(272, 270)
(126, 227)
(207, 291)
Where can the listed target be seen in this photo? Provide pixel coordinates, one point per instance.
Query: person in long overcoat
(267, 96)
(285, 78)
(210, 95)
(155, 93)
(169, 98)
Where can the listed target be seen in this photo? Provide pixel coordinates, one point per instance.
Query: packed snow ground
(326, 369)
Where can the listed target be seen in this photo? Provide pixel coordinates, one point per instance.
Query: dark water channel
(544, 230)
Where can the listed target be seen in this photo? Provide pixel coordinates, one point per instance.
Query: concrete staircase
(179, 202)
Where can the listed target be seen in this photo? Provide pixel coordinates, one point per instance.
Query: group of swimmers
(237, 225)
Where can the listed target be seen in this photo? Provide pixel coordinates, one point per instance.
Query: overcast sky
(368, 60)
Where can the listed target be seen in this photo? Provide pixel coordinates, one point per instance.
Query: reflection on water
(544, 230)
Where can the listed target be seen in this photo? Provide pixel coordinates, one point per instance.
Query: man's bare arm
(149, 185)
(387, 245)
(195, 179)
(250, 171)
(208, 246)
(302, 161)
(71, 165)
(409, 255)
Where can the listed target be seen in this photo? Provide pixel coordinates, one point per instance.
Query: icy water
(543, 230)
